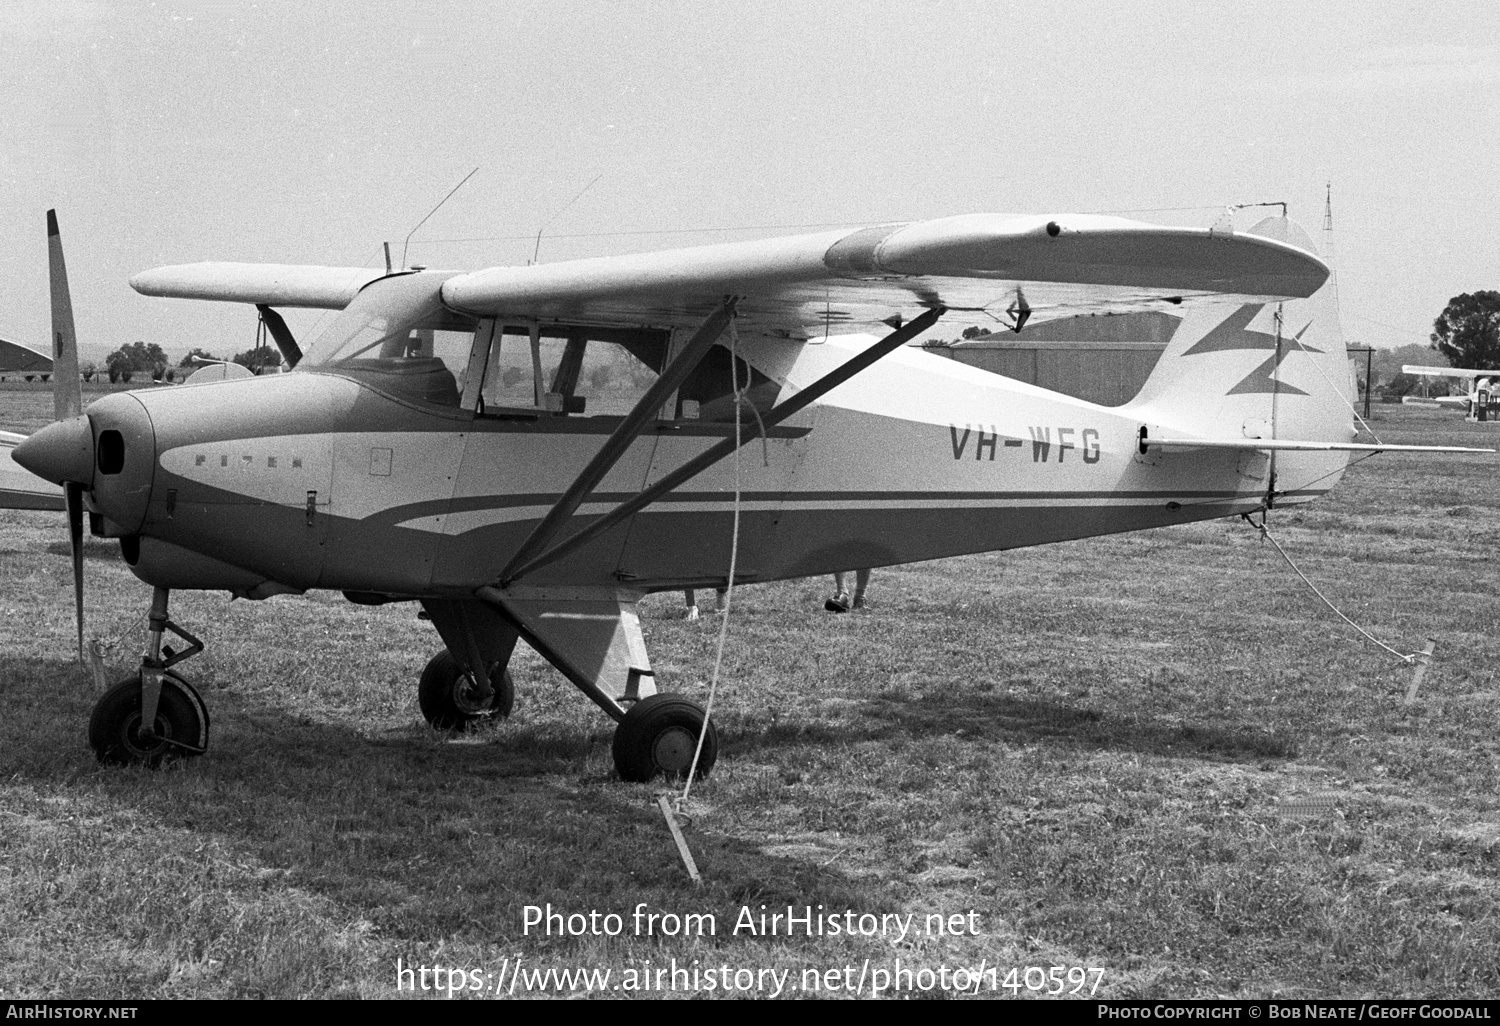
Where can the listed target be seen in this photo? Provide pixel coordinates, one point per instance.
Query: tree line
(148, 359)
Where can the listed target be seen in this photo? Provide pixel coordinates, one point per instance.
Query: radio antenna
(434, 210)
(560, 213)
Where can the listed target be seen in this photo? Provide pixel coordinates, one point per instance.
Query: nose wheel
(179, 725)
(450, 698)
(155, 716)
(658, 737)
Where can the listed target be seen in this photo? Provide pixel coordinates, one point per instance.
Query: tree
(1403, 384)
(259, 359)
(138, 357)
(599, 376)
(1386, 364)
(119, 365)
(1467, 332)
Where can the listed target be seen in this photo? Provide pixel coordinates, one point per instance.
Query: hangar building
(18, 361)
(1104, 359)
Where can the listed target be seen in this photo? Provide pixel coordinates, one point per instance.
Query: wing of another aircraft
(20, 488)
(997, 267)
(1448, 372)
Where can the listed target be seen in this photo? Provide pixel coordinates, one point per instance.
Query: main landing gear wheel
(659, 735)
(180, 730)
(448, 696)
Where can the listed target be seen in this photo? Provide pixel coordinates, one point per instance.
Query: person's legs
(840, 601)
(861, 581)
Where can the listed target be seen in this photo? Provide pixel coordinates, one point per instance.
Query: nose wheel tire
(658, 736)
(448, 696)
(180, 730)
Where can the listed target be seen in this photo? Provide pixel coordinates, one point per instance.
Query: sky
(290, 132)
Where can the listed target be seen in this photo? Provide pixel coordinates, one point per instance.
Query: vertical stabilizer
(1268, 370)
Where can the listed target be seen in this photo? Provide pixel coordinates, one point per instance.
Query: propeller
(67, 401)
(73, 493)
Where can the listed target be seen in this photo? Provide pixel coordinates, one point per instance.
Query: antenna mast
(434, 210)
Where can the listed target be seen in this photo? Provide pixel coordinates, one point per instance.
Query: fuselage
(319, 480)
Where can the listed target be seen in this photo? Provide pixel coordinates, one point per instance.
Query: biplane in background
(1481, 401)
(527, 451)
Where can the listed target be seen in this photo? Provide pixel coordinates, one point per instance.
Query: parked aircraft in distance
(1482, 394)
(527, 451)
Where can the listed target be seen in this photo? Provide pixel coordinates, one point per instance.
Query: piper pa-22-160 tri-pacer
(527, 451)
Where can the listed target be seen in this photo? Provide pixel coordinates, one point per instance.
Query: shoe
(859, 603)
(838, 604)
(692, 613)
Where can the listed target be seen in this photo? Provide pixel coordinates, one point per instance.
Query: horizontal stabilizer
(1288, 445)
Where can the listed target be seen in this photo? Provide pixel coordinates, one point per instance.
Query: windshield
(398, 337)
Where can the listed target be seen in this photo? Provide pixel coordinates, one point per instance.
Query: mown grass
(1094, 745)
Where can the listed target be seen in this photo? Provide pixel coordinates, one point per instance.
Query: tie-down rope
(740, 399)
(1265, 533)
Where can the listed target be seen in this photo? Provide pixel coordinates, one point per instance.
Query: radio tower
(1328, 253)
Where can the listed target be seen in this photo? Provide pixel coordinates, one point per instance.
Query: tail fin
(67, 393)
(1273, 370)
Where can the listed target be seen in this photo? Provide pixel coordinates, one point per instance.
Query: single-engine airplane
(527, 451)
(1482, 400)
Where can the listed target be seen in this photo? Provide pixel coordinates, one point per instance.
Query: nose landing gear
(155, 716)
(451, 699)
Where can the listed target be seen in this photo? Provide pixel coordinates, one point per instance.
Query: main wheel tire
(658, 736)
(447, 699)
(181, 727)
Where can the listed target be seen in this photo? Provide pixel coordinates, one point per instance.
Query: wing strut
(624, 434)
(778, 413)
(276, 325)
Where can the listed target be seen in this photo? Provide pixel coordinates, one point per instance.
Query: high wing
(1000, 267)
(997, 268)
(298, 285)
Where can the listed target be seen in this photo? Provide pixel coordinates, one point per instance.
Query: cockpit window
(398, 337)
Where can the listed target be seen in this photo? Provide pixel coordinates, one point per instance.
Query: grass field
(1156, 754)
